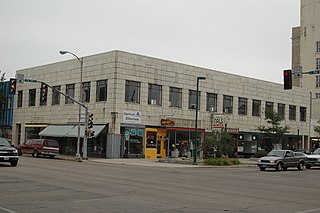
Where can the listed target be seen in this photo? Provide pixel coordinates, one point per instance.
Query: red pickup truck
(37, 147)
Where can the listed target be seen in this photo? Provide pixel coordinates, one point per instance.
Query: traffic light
(13, 86)
(90, 132)
(287, 79)
(44, 92)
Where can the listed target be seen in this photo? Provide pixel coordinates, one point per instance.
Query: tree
(218, 144)
(2, 79)
(274, 129)
(317, 128)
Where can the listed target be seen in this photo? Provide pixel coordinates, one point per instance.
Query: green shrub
(260, 154)
(221, 161)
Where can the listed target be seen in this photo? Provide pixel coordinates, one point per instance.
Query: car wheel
(300, 166)
(262, 168)
(308, 166)
(279, 167)
(51, 156)
(35, 153)
(14, 163)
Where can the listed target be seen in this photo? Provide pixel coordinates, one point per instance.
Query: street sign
(298, 71)
(314, 72)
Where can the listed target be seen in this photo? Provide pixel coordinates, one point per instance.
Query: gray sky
(248, 37)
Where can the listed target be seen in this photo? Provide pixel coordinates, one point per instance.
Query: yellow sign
(167, 122)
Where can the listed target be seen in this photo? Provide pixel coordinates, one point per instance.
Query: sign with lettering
(218, 121)
(131, 117)
(167, 122)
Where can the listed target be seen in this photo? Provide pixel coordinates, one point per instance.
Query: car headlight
(15, 151)
(273, 161)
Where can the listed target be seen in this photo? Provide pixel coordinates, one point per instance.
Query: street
(52, 185)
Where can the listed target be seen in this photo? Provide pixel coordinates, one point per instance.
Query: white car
(313, 159)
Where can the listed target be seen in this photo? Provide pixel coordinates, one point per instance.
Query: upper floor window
(132, 93)
(242, 106)
(292, 112)
(86, 92)
(70, 92)
(269, 106)
(211, 102)
(256, 108)
(281, 110)
(155, 94)
(318, 81)
(20, 98)
(303, 113)
(175, 97)
(32, 97)
(102, 90)
(193, 99)
(318, 47)
(56, 95)
(317, 63)
(227, 104)
(317, 95)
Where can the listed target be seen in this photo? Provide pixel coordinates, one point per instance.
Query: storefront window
(133, 142)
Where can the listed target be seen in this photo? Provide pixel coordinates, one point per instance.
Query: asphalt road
(49, 185)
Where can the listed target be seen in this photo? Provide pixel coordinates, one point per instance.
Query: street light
(196, 127)
(78, 156)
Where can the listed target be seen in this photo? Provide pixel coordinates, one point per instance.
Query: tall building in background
(306, 53)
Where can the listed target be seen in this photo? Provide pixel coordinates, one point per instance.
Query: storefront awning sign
(218, 121)
(167, 122)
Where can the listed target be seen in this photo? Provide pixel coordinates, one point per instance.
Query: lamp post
(196, 121)
(78, 156)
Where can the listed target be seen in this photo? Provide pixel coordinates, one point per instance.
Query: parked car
(306, 151)
(313, 159)
(8, 153)
(281, 160)
(37, 147)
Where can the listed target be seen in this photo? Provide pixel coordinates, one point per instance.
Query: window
(242, 106)
(303, 113)
(269, 106)
(155, 94)
(317, 63)
(318, 47)
(70, 92)
(256, 107)
(102, 90)
(32, 97)
(292, 112)
(227, 104)
(211, 102)
(281, 110)
(193, 99)
(175, 97)
(20, 98)
(317, 95)
(318, 81)
(56, 95)
(132, 92)
(85, 92)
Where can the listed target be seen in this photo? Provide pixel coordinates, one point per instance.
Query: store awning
(68, 130)
(74, 131)
(56, 130)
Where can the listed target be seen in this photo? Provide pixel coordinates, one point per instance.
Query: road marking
(311, 210)
(7, 210)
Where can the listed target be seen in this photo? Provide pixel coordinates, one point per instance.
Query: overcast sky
(248, 37)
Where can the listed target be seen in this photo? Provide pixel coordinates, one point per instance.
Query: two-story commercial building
(145, 107)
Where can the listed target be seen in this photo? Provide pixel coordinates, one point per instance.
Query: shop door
(161, 143)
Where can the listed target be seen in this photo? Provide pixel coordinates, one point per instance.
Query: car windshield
(276, 153)
(317, 152)
(4, 142)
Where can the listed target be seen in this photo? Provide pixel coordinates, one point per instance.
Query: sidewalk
(171, 162)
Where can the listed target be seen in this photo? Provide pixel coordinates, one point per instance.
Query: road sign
(298, 71)
(314, 72)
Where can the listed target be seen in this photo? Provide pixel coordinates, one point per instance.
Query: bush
(260, 154)
(221, 161)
